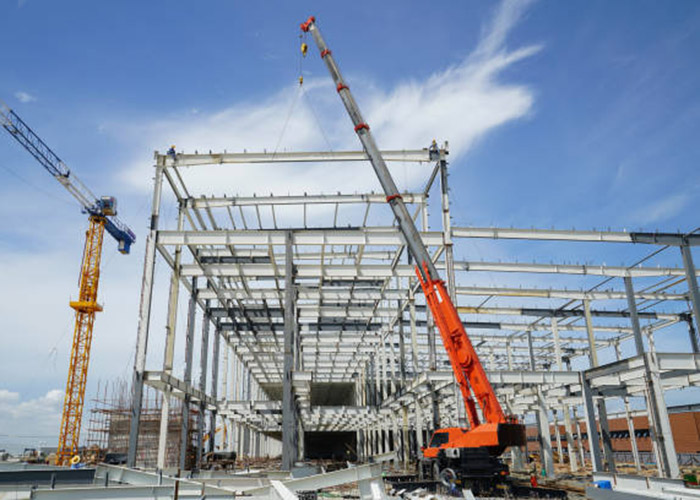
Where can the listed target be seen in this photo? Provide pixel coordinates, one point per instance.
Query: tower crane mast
(472, 451)
(101, 216)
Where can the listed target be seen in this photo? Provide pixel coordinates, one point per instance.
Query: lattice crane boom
(102, 215)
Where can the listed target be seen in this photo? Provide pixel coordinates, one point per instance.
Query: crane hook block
(304, 49)
(305, 26)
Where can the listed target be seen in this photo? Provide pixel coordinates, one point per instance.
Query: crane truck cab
(471, 456)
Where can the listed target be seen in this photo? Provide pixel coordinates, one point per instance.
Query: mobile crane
(101, 216)
(471, 454)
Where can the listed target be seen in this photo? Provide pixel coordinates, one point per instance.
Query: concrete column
(602, 411)
(149, 265)
(187, 377)
(691, 278)
(290, 451)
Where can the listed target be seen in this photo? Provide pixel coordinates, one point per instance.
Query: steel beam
(676, 239)
(190, 160)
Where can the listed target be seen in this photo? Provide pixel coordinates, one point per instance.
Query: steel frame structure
(293, 306)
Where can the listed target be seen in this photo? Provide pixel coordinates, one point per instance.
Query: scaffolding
(109, 424)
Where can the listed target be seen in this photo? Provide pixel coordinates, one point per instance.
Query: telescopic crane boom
(497, 431)
(102, 215)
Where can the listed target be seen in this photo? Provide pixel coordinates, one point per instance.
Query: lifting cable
(303, 50)
(301, 92)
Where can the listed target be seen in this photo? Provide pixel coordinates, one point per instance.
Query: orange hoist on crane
(101, 215)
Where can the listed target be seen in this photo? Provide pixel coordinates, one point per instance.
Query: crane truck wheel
(447, 476)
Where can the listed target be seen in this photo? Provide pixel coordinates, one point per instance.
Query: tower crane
(102, 215)
(470, 453)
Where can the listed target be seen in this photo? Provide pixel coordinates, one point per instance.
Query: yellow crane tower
(101, 215)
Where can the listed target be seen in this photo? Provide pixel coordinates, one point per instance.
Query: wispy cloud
(24, 97)
(460, 103)
(663, 209)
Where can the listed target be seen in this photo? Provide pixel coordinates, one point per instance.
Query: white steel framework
(299, 312)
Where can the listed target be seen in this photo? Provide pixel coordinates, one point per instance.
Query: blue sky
(558, 114)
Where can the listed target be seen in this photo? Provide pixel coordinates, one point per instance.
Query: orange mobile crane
(471, 453)
(101, 215)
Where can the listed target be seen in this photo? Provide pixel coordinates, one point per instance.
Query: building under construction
(317, 334)
(314, 341)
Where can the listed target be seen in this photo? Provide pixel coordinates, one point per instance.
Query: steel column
(691, 278)
(591, 426)
(203, 364)
(214, 388)
(149, 264)
(660, 424)
(169, 354)
(602, 411)
(290, 451)
(545, 438)
(187, 377)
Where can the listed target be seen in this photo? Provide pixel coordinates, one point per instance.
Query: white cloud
(24, 97)
(460, 104)
(662, 209)
(30, 422)
(8, 397)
